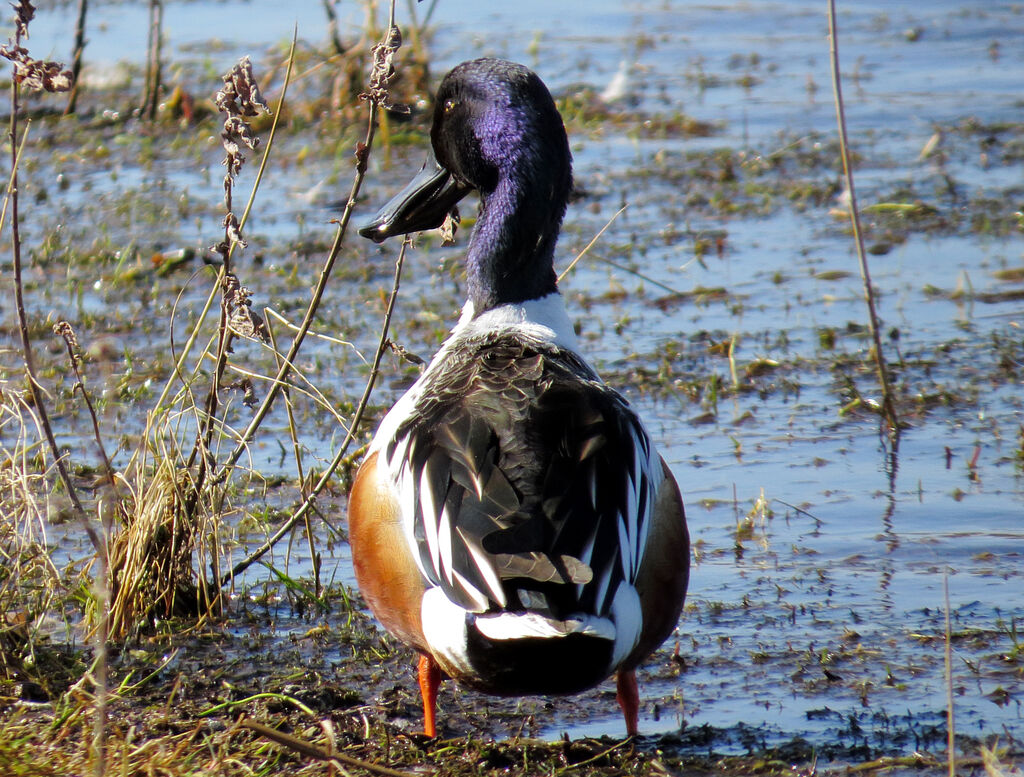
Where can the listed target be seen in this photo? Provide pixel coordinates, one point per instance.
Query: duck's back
(526, 488)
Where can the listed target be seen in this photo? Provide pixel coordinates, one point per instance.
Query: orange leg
(628, 697)
(430, 681)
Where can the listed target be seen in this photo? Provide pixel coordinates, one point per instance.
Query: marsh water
(822, 552)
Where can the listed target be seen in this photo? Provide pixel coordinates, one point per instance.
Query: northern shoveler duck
(512, 520)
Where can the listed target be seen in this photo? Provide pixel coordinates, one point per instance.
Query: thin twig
(312, 751)
(357, 418)
(19, 302)
(645, 278)
(429, 14)
(332, 27)
(238, 99)
(950, 721)
(800, 510)
(227, 705)
(314, 558)
(616, 265)
(292, 426)
(271, 313)
(869, 295)
(593, 240)
(310, 390)
(63, 328)
(272, 133)
(8, 191)
(917, 760)
(416, 39)
(286, 364)
(594, 758)
(25, 12)
(100, 638)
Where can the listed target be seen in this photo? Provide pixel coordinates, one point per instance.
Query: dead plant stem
(429, 14)
(357, 417)
(225, 335)
(332, 27)
(307, 321)
(593, 240)
(151, 97)
(888, 405)
(100, 637)
(308, 389)
(637, 274)
(10, 179)
(80, 387)
(312, 751)
(271, 135)
(299, 468)
(362, 157)
(38, 399)
(950, 721)
(194, 334)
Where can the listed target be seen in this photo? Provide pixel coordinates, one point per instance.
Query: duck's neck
(511, 252)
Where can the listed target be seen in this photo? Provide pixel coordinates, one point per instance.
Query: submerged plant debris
(724, 301)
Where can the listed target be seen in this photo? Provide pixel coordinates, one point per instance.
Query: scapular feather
(539, 567)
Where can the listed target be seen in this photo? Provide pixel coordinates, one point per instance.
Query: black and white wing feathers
(527, 483)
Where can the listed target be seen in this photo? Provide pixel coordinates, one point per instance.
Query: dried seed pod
(35, 74)
(243, 320)
(384, 70)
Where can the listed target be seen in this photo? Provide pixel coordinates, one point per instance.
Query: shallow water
(826, 621)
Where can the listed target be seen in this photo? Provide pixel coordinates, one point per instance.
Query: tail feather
(532, 625)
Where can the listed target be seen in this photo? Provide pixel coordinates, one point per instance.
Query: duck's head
(496, 130)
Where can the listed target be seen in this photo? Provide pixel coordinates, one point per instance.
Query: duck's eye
(449, 105)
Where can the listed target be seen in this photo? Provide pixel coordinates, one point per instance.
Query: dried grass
(996, 768)
(150, 560)
(29, 580)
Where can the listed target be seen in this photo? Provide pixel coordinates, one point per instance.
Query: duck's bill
(422, 204)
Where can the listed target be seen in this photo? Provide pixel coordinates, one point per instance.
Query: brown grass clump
(150, 560)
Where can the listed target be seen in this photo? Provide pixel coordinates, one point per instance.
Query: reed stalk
(76, 56)
(888, 406)
(948, 658)
(154, 64)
